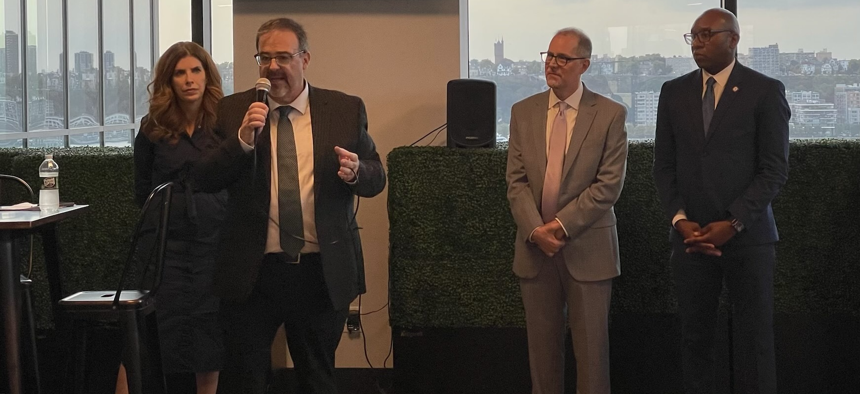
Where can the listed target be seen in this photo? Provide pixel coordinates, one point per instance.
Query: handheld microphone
(263, 85)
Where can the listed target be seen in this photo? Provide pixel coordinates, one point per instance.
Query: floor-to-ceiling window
(75, 72)
(810, 45)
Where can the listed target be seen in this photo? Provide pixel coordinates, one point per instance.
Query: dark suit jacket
(337, 119)
(738, 169)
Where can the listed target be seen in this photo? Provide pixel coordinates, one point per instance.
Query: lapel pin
(735, 89)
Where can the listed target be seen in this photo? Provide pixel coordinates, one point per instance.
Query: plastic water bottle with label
(49, 195)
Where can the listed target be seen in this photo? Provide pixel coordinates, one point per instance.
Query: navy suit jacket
(337, 119)
(739, 167)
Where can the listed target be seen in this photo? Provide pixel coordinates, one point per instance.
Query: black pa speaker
(471, 113)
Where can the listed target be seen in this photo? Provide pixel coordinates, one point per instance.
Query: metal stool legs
(29, 319)
(131, 352)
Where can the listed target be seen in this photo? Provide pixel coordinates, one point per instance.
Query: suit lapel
(538, 118)
(584, 118)
(726, 100)
(322, 129)
(320, 124)
(694, 101)
(266, 157)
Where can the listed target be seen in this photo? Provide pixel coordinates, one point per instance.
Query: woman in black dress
(184, 97)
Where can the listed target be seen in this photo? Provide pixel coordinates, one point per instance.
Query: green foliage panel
(92, 246)
(452, 235)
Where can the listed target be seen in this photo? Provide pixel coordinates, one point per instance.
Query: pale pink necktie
(554, 163)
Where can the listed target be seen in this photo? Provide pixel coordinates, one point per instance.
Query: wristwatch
(736, 224)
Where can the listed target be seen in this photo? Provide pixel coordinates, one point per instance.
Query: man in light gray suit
(566, 163)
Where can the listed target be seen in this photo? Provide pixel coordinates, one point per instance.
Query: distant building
(11, 56)
(521, 67)
(9, 110)
(846, 99)
(499, 51)
(800, 56)
(504, 68)
(109, 61)
(36, 111)
(823, 55)
(681, 64)
(645, 104)
(803, 96)
(765, 59)
(32, 58)
(603, 65)
(807, 109)
(822, 115)
(853, 116)
(83, 62)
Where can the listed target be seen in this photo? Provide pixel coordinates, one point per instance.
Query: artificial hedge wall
(452, 236)
(93, 245)
(451, 232)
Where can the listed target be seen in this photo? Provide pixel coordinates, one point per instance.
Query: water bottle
(49, 195)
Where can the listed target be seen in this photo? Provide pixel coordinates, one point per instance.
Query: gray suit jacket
(592, 177)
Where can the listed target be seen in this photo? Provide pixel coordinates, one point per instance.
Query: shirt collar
(300, 104)
(572, 101)
(721, 77)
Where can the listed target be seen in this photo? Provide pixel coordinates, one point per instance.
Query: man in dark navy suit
(720, 158)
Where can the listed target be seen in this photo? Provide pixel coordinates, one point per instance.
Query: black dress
(186, 309)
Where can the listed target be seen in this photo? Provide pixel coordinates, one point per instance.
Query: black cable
(431, 132)
(434, 137)
(390, 347)
(363, 336)
(378, 310)
(375, 371)
(391, 337)
(352, 222)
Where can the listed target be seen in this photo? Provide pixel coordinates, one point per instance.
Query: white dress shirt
(300, 116)
(570, 114)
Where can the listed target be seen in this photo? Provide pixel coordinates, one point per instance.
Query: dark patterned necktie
(289, 198)
(708, 104)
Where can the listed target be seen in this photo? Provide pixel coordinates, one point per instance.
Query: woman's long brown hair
(166, 121)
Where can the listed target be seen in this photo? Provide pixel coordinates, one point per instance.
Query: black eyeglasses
(283, 59)
(703, 36)
(561, 60)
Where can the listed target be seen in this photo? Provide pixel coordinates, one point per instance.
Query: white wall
(398, 55)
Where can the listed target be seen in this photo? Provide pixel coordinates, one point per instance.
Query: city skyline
(822, 90)
(174, 26)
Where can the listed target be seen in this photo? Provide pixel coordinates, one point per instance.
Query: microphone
(263, 85)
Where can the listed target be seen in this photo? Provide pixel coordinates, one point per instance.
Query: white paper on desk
(18, 207)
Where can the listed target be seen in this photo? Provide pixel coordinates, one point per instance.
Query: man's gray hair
(584, 47)
(284, 24)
